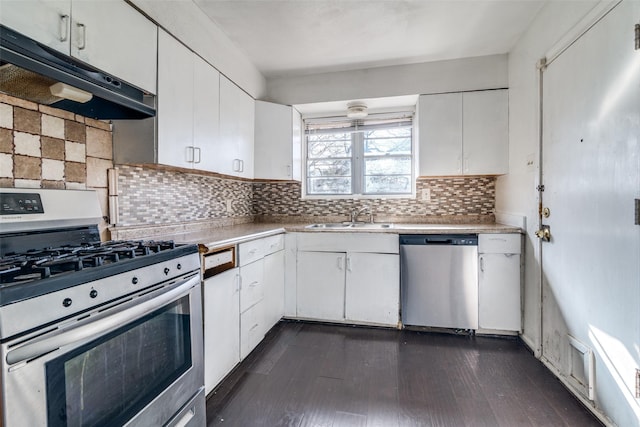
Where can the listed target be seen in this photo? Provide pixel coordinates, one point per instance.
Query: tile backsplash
(455, 199)
(43, 147)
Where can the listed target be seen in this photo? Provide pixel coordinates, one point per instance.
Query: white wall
(485, 72)
(186, 22)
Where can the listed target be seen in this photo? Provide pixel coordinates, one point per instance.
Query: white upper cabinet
(175, 102)
(108, 35)
(206, 114)
(485, 118)
(277, 141)
(237, 115)
(188, 107)
(464, 133)
(440, 133)
(47, 22)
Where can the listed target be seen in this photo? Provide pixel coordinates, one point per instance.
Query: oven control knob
(66, 302)
(179, 266)
(166, 271)
(93, 293)
(134, 280)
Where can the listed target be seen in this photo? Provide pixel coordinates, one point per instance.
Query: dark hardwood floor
(306, 374)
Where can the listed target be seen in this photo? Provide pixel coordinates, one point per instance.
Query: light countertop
(228, 236)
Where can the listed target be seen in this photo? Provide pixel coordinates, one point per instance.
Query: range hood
(32, 71)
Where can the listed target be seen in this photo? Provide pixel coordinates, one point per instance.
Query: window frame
(358, 161)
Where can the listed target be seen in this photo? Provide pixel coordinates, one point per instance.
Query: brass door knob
(544, 233)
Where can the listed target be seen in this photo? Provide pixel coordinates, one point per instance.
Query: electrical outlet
(426, 195)
(229, 206)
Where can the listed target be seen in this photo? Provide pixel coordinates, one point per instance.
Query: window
(363, 157)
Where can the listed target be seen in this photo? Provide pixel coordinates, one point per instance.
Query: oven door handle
(108, 323)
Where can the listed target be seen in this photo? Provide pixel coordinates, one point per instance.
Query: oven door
(137, 363)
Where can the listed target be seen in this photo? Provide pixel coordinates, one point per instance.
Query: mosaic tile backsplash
(151, 197)
(459, 199)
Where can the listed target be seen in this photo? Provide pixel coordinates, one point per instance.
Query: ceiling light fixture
(357, 110)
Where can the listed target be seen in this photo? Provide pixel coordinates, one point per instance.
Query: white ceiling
(289, 37)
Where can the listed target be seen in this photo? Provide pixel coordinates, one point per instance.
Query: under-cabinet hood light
(63, 90)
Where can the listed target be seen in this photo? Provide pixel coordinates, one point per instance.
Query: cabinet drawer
(250, 251)
(499, 243)
(251, 330)
(273, 244)
(251, 284)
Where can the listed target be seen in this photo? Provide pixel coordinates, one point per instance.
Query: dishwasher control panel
(439, 239)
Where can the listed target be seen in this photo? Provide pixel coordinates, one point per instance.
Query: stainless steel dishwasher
(439, 280)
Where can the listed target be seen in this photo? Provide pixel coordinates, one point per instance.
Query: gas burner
(51, 261)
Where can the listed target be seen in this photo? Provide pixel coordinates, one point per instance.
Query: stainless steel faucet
(357, 212)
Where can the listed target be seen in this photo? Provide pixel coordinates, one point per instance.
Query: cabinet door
(47, 22)
(221, 326)
(486, 132)
(175, 102)
(499, 292)
(112, 36)
(273, 141)
(273, 289)
(440, 134)
(251, 329)
(235, 153)
(296, 149)
(320, 290)
(206, 110)
(373, 288)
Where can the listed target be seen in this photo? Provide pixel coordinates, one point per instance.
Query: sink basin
(348, 225)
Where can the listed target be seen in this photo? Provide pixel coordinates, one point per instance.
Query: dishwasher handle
(439, 239)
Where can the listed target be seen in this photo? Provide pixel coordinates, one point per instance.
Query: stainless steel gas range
(91, 333)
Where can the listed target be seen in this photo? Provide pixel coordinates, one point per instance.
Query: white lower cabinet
(321, 283)
(273, 289)
(499, 307)
(372, 294)
(351, 286)
(221, 326)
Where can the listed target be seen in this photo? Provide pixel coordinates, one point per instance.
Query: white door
(373, 288)
(591, 174)
(320, 292)
(221, 326)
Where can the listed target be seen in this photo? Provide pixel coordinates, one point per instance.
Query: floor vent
(581, 368)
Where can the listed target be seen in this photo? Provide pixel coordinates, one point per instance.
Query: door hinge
(540, 187)
(637, 36)
(637, 383)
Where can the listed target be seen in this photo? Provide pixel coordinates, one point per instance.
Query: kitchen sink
(346, 225)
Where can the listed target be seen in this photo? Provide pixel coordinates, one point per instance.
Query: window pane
(396, 165)
(338, 167)
(328, 145)
(381, 184)
(329, 185)
(387, 141)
